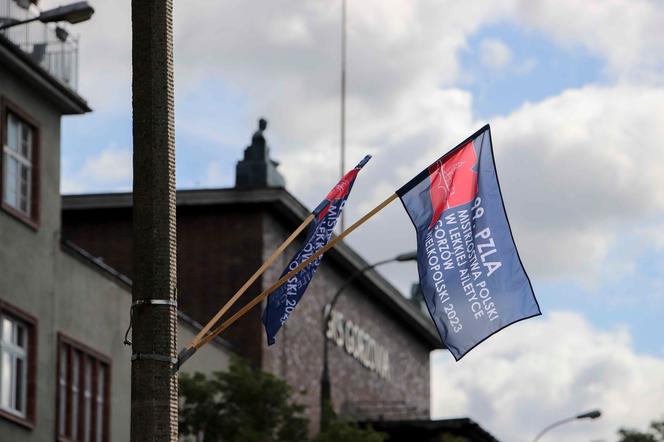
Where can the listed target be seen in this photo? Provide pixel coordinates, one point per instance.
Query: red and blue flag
(282, 302)
(472, 278)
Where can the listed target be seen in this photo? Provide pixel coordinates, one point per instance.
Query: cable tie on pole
(170, 302)
(138, 302)
(153, 357)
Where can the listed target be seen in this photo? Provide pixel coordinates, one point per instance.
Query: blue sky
(574, 94)
(538, 69)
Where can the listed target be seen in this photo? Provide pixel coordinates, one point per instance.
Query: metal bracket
(172, 302)
(167, 302)
(183, 356)
(154, 357)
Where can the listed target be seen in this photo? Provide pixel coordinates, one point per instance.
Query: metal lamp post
(594, 414)
(325, 392)
(73, 13)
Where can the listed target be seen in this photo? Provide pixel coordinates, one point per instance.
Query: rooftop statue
(257, 169)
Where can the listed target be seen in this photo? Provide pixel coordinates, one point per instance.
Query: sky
(574, 93)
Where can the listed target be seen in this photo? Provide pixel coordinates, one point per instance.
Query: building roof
(409, 430)
(293, 213)
(17, 61)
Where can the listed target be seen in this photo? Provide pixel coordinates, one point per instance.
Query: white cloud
(108, 170)
(291, 48)
(571, 171)
(578, 169)
(110, 166)
(546, 369)
(495, 54)
(629, 35)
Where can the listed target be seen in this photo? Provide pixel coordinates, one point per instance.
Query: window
(17, 353)
(13, 367)
(19, 164)
(83, 391)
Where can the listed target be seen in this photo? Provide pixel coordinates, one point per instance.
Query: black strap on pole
(183, 356)
(154, 357)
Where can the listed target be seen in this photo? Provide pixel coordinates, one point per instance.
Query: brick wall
(297, 355)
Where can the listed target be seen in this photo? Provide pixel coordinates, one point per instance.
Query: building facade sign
(358, 343)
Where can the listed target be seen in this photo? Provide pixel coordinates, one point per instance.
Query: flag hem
(539, 313)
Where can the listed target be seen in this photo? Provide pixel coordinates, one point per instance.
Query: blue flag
(471, 275)
(282, 302)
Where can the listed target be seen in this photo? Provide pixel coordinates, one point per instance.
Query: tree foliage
(339, 430)
(249, 405)
(654, 434)
(242, 404)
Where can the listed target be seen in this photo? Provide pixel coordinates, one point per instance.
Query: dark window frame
(7, 106)
(31, 377)
(99, 360)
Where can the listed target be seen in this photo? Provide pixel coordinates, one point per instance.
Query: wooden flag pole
(284, 278)
(194, 342)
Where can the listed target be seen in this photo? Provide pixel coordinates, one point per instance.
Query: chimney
(257, 169)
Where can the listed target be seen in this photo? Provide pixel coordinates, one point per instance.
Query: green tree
(242, 404)
(655, 433)
(339, 430)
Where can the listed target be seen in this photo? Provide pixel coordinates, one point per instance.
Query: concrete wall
(213, 357)
(94, 310)
(65, 292)
(91, 308)
(297, 355)
(27, 256)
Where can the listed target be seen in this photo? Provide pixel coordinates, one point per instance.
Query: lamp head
(594, 414)
(73, 13)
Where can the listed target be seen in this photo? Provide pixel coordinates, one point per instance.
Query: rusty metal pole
(154, 386)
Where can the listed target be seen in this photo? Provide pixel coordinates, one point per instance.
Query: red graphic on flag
(453, 182)
(339, 191)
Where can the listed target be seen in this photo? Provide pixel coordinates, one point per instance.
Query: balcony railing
(48, 45)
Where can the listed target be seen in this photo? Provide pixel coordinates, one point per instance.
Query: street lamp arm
(350, 280)
(10, 22)
(594, 414)
(553, 425)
